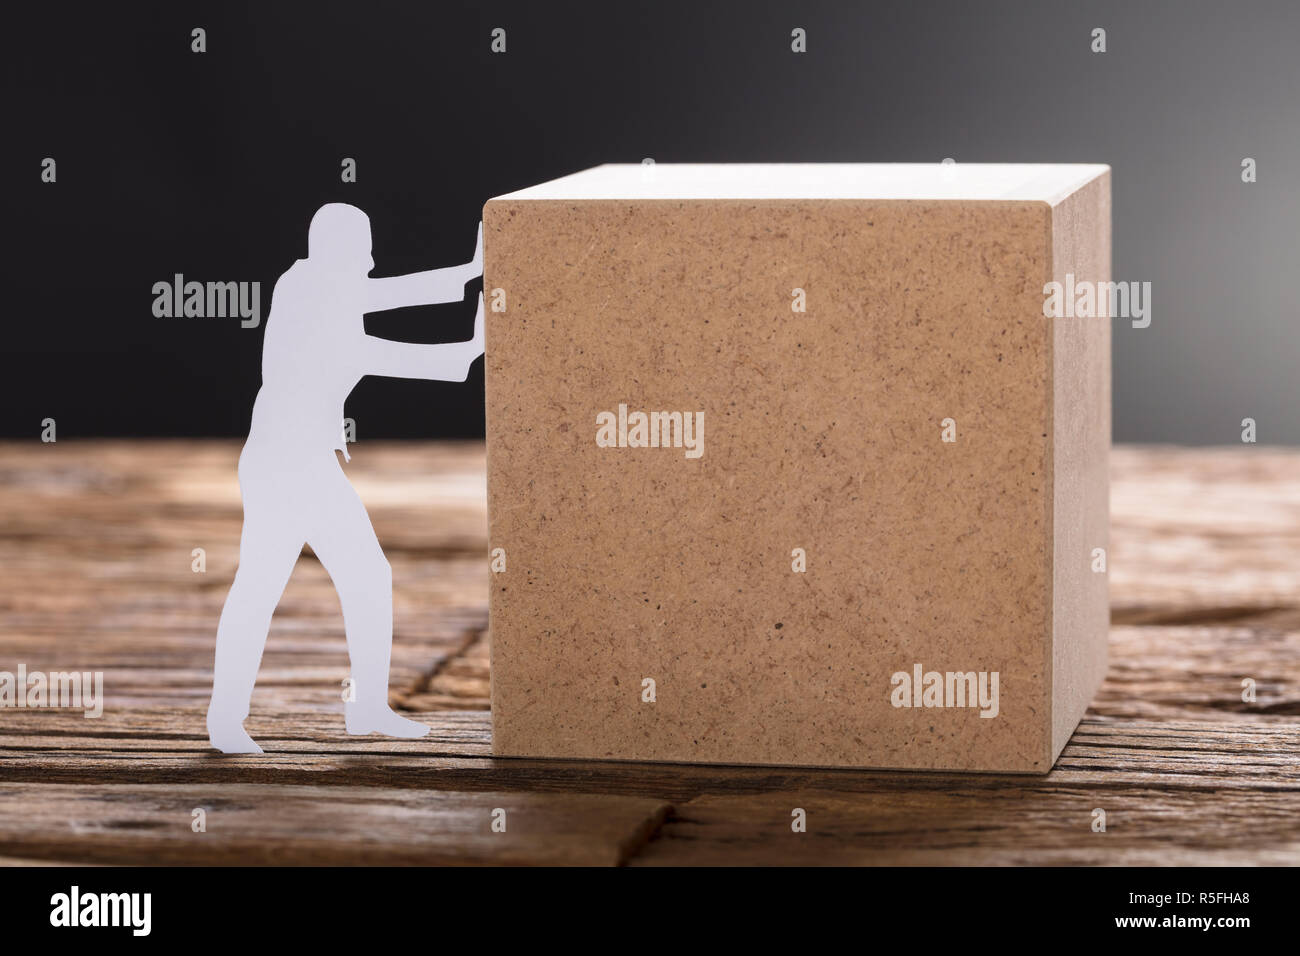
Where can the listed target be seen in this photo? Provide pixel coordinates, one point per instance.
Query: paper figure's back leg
(268, 549)
(344, 541)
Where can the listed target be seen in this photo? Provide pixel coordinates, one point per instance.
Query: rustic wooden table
(96, 543)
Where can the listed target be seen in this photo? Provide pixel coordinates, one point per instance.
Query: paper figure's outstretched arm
(448, 362)
(425, 288)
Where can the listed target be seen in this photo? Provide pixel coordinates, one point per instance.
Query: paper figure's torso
(311, 361)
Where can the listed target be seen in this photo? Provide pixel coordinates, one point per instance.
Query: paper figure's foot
(382, 722)
(231, 738)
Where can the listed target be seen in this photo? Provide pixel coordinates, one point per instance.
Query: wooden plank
(279, 825)
(27, 861)
(1224, 757)
(1023, 826)
(1182, 673)
(97, 539)
(1202, 529)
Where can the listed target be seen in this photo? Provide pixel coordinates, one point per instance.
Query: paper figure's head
(339, 237)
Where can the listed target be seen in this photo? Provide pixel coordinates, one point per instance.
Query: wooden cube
(786, 464)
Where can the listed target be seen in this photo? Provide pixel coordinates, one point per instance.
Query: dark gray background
(212, 164)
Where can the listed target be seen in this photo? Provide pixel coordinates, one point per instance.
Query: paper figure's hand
(478, 339)
(476, 264)
(425, 288)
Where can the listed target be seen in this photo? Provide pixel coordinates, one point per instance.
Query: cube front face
(805, 537)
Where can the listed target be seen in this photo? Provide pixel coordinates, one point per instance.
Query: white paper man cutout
(294, 490)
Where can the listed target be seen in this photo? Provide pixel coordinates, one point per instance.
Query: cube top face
(972, 182)
(785, 531)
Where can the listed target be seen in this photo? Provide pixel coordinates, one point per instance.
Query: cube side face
(822, 446)
(1081, 452)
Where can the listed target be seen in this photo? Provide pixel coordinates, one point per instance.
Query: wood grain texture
(96, 538)
(275, 824)
(1147, 826)
(1197, 533)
